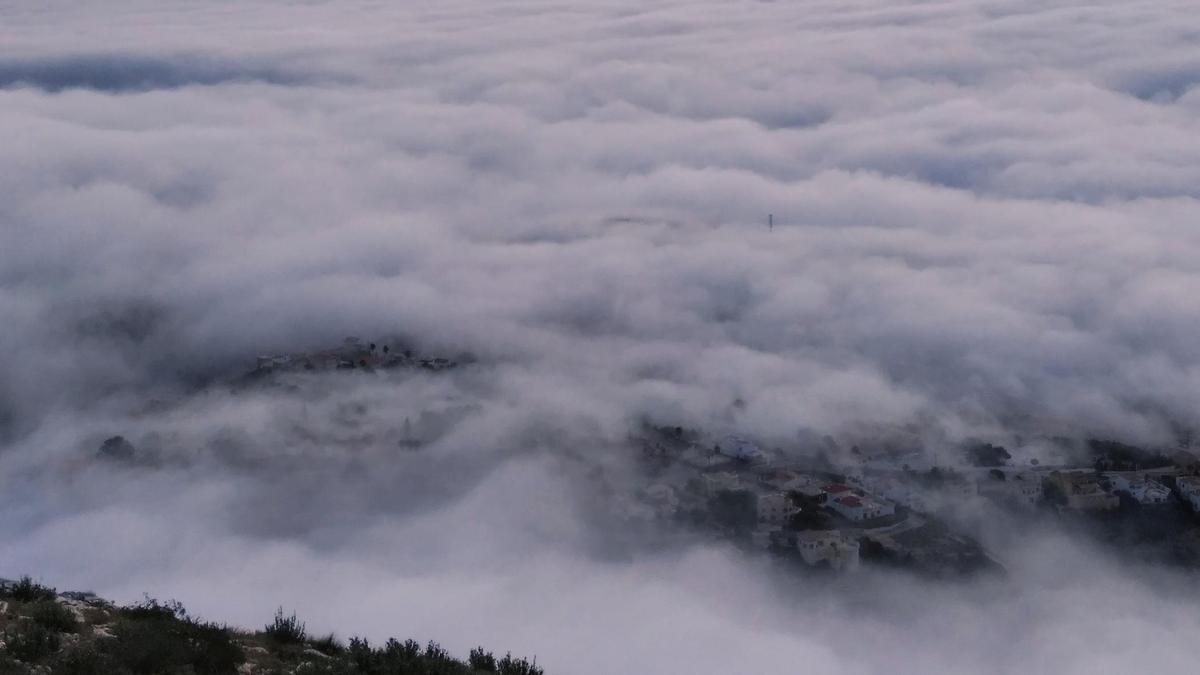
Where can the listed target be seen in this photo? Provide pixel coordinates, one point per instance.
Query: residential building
(1141, 488)
(860, 507)
(1189, 490)
(896, 491)
(1019, 489)
(1083, 492)
(774, 508)
(716, 481)
(832, 546)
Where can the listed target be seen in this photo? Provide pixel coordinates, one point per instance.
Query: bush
(328, 645)
(83, 661)
(511, 666)
(482, 660)
(286, 630)
(27, 590)
(53, 617)
(30, 642)
(153, 638)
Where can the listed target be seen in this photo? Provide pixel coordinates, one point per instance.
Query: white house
(1189, 490)
(829, 545)
(1144, 490)
(716, 481)
(786, 480)
(896, 491)
(858, 508)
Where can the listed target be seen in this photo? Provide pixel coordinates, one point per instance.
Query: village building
(774, 508)
(1189, 490)
(896, 491)
(1020, 489)
(860, 507)
(717, 481)
(1083, 492)
(1141, 488)
(831, 546)
(786, 480)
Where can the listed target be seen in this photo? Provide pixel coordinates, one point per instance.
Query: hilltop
(46, 632)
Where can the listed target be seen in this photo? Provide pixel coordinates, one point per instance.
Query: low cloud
(984, 227)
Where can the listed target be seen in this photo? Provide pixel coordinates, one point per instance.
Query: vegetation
(286, 630)
(43, 633)
(27, 590)
(988, 455)
(1115, 456)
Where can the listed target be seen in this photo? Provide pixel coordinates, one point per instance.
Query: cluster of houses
(822, 514)
(353, 353)
(1086, 490)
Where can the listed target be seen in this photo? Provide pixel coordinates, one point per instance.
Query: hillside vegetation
(43, 632)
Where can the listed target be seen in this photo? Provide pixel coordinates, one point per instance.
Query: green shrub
(286, 630)
(28, 590)
(30, 642)
(482, 660)
(328, 645)
(153, 638)
(84, 661)
(511, 666)
(52, 616)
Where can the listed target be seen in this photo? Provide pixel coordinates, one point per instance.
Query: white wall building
(896, 491)
(716, 481)
(828, 545)
(1189, 490)
(858, 508)
(1144, 490)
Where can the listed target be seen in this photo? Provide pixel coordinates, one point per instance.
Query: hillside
(43, 631)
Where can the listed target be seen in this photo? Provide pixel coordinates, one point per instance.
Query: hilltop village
(896, 509)
(353, 354)
(846, 508)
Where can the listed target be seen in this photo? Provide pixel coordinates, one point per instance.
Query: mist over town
(691, 337)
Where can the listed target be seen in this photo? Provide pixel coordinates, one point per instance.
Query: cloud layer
(984, 226)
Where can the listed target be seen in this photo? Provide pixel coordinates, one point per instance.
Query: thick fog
(984, 225)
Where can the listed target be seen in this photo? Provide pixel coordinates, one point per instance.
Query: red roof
(834, 488)
(851, 501)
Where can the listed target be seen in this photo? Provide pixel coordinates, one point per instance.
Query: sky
(984, 227)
